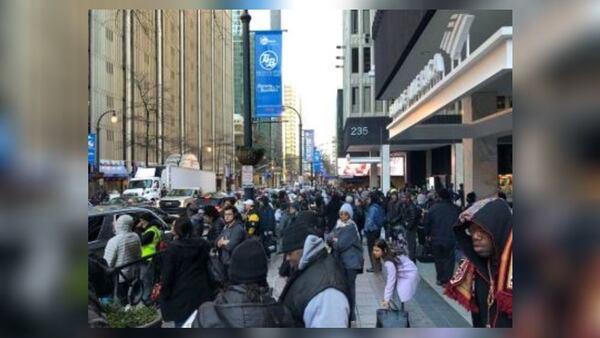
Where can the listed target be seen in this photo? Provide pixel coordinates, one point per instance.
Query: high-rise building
(290, 140)
(168, 75)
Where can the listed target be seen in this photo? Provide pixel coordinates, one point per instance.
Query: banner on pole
(309, 144)
(92, 149)
(267, 73)
(247, 175)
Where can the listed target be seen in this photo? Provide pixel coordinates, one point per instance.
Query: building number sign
(359, 131)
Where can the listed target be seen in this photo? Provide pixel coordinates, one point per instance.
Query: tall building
(168, 75)
(290, 140)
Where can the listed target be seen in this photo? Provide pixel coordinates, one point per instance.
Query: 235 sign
(359, 131)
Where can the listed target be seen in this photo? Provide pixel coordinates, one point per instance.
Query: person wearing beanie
(347, 247)
(125, 247)
(246, 302)
(316, 293)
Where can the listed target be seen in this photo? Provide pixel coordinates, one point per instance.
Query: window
(354, 99)
(110, 102)
(109, 67)
(379, 106)
(354, 21)
(367, 99)
(500, 102)
(366, 22)
(366, 59)
(109, 34)
(354, 60)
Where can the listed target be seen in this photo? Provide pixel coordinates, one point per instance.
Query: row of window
(366, 101)
(366, 59)
(366, 21)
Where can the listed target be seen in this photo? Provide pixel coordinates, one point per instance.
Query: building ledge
(487, 63)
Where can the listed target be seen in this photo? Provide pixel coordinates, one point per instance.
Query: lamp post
(113, 119)
(245, 18)
(299, 135)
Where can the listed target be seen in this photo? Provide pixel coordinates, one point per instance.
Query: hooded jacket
(123, 248)
(185, 283)
(233, 308)
(316, 293)
(346, 244)
(484, 285)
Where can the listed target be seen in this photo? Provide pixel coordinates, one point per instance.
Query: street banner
(92, 149)
(309, 144)
(267, 73)
(247, 174)
(317, 161)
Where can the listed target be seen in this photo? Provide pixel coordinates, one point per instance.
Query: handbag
(216, 270)
(392, 317)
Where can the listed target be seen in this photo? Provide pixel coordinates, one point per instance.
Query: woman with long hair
(401, 273)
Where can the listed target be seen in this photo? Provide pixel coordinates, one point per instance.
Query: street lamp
(113, 119)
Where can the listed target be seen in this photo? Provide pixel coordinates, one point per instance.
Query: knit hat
(248, 263)
(349, 199)
(123, 224)
(347, 209)
(295, 234)
(248, 202)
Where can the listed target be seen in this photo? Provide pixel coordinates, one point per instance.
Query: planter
(136, 317)
(155, 324)
(249, 156)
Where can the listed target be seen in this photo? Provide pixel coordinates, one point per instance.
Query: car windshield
(140, 184)
(180, 192)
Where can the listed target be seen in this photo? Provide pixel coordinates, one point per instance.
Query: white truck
(146, 183)
(184, 186)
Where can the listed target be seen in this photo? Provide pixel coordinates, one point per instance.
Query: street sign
(247, 173)
(91, 149)
(267, 73)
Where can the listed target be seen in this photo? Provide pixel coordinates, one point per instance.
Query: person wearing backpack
(345, 242)
(402, 276)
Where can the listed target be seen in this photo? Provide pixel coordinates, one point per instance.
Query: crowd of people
(320, 232)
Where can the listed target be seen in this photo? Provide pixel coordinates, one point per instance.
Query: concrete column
(428, 161)
(373, 176)
(457, 164)
(128, 91)
(385, 167)
(481, 154)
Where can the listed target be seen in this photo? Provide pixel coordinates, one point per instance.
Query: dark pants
(444, 262)
(147, 271)
(373, 236)
(411, 239)
(351, 277)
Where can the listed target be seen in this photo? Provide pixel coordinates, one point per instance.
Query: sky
(308, 63)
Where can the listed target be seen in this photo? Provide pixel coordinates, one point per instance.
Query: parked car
(129, 201)
(101, 220)
(177, 201)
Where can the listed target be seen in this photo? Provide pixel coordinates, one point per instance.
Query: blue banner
(317, 165)
(309, 144)
(92, 149)
(267, 73)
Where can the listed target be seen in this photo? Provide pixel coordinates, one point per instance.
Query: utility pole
(245, 18)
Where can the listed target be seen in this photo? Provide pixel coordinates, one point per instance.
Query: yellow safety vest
(150, 248)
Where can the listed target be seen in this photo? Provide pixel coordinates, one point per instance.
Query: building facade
(290, 137)
(168, 75)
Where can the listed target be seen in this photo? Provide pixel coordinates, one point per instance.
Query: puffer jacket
(125, 247)
(234, 308)
(346, 244)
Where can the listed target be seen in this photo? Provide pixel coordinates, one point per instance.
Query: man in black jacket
(317, 292)
(438, 224)
(247, 300)
(410, 221)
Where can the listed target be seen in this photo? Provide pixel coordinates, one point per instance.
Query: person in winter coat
(373, 224)
(212, 217)
(231, 236)
(252, 219)
(184, 274)
(483, 281)
(316, 293)
(267, 223)
(359, 215)
(125, 247)
(410, 219)
(402, 277)
(393, 216)
(247, 300)
(346, 245)
(438, 222)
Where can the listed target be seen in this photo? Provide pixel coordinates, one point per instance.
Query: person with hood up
(345, 242)
(247, 301)
(373, 224)
(125, 247)
(316, 293)
(483, 281)
(393, 215)
(184, 274)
